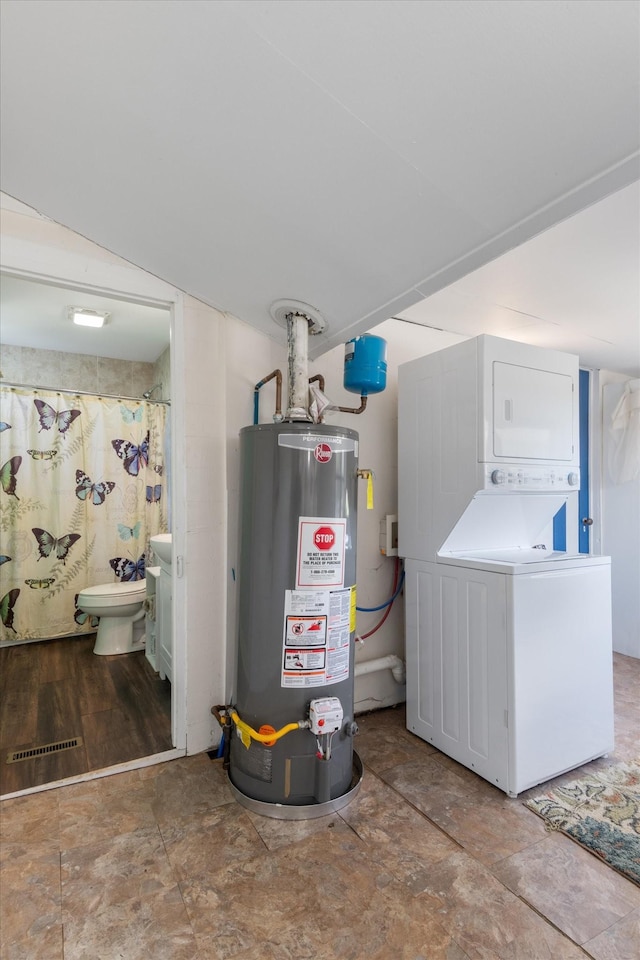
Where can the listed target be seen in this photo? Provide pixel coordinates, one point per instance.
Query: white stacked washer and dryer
(508, 641)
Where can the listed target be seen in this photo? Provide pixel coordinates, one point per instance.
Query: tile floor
(429, 862)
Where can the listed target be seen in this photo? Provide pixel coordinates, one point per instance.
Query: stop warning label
(324, 538)
(320, 557)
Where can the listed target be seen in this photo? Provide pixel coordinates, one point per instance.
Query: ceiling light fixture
(85, 317)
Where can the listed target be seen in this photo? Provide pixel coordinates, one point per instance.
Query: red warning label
(303, 630)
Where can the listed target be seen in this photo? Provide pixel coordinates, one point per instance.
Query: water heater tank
(296, 612)
(365, 365)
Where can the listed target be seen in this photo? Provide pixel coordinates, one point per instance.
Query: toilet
(120, 607)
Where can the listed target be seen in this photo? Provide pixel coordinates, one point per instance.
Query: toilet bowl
(120, 607)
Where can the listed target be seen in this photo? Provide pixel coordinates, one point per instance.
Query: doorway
(133, 717)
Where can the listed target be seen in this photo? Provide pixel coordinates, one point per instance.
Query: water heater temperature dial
(497, 476)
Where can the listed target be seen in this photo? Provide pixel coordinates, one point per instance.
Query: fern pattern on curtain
(82, 490)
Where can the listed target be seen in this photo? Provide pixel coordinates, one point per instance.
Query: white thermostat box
(326, 715)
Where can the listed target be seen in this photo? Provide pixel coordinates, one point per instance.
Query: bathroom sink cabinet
(152, 576)
(164, 644)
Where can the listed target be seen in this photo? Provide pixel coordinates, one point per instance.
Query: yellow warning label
(352, 617)
(370, 492)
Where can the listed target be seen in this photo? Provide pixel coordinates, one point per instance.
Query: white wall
(378, 429)
(199, 477)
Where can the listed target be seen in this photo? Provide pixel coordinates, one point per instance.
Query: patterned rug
(601, 811)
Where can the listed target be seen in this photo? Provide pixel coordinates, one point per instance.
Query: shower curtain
(82, 490)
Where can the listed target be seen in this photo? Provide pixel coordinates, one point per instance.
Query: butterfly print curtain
(83, 487)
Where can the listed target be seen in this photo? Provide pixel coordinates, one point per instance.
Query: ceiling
(37, 315)
(359, 156)
(575, 287)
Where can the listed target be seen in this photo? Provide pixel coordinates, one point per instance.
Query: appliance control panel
(519, 477)
(326, 715)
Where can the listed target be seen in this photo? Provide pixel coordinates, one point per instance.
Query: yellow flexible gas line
(247, 733)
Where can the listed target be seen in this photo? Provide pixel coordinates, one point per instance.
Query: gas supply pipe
(247, 733)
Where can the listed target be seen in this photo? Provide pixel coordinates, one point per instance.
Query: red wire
(388, 610)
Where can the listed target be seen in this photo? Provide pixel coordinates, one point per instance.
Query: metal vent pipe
(298, 387)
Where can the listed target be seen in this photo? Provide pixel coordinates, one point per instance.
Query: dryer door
(533, 414)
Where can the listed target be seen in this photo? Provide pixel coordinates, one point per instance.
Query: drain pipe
(390, 662)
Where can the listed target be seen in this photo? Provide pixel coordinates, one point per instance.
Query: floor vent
(45, 750)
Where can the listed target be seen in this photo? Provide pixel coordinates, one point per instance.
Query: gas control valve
(325, 715)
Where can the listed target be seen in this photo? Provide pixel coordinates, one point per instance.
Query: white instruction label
(315, 649)
(320, 556)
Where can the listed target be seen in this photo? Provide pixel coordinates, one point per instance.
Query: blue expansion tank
(365, 364)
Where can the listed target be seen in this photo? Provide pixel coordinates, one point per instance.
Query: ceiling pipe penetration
(301, 320)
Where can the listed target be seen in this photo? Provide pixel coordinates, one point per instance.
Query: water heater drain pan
(308, 811)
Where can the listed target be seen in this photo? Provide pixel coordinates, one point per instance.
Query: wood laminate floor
(59, 689)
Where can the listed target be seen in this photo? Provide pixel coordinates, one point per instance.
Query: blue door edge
(584, 530)
(560, 519)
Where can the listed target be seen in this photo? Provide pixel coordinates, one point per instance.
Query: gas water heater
(290, 728)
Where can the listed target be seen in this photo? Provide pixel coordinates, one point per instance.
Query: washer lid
(552, 561)
(136, 588)
(503, 521)
(520, 555)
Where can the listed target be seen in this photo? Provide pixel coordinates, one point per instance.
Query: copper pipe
(221, 713)
(319, 379)
(278, 375)
(216, 712)
(360, 409)
(278, 394)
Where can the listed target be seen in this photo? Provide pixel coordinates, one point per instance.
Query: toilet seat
(114, 593)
